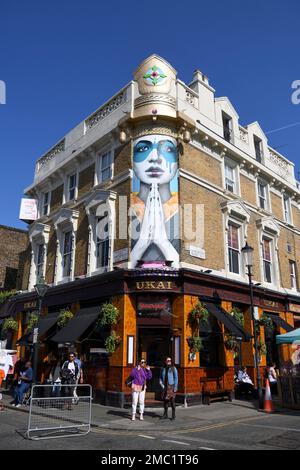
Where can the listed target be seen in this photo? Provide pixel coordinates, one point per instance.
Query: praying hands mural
(154, 201)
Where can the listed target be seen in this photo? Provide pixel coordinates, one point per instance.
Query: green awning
(289, 338)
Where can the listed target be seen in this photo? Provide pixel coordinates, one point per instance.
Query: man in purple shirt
(139, 374)
(24, 381)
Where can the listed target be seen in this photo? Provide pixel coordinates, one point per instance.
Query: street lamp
(248, 258)
(41, 289)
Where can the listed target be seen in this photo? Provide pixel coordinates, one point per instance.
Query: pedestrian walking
(24, 382)
(69, 375)
(169, 384)
(79, 379)
(139, 375)
(55, 378)
(271, 375)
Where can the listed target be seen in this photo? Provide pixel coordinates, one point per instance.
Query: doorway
(154, 345)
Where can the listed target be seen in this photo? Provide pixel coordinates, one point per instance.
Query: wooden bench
(220, 393)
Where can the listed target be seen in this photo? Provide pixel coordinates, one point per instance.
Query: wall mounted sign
(28, 210)
(29, 305)
(294, 308)
(154, 285)
(197, 252)
(271, 303)
(153, 303)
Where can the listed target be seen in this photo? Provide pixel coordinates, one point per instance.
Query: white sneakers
(141, 417)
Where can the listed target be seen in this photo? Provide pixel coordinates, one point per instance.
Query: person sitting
(24, 381)
(245, 383)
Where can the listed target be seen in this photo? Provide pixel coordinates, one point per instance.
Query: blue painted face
(155, 159)
(164, 148)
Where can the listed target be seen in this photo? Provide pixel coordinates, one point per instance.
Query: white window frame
(234, 167)
(239, 228)
(40, 262)
(263, 184)
(39, 236)
(230, 127)
(46, 204)
(100, 169)
(287, 209)
(293, 275)
(260, 143)
(65, 221)
(73, 188)
(67, 256)
(269, 262)
(97, 205)
(270, 230)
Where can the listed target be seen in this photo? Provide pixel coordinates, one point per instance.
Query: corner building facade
(179, 186)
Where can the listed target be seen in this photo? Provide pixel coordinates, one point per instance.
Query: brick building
(167, 172)
(13, 244)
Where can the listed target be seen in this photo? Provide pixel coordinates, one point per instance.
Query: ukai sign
(154, 285)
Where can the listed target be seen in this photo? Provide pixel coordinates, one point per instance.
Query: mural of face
(155, 159)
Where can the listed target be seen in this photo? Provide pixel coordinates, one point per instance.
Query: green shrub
(10, 324)
(109, 315)
(112, 342)
(195, 343)
(64, 317)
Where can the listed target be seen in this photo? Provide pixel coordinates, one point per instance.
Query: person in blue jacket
(169, 384)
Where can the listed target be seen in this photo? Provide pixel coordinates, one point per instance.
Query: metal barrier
(59, 411)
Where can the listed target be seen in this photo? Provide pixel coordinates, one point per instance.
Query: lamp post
(41, 289)
(248, 258)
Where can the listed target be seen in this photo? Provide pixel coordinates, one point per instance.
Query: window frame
(67, 255)
(102, 169)
(231, 249)
(287, 210)
(266, 262)
(46, 203)
(258, 148)
(72, 188)
(293, 275)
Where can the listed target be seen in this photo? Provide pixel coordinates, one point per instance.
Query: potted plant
(198, 314)
(109, 315)
(266, 321)
(10, 324)
(112, 342)
(195, 343)
(232, 344)
(238, 315)
(261, 348)
(64, 317)
(33, 321)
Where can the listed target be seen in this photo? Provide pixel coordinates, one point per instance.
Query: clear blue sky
(62, 59)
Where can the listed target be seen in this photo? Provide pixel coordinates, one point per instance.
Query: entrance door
(154, 345)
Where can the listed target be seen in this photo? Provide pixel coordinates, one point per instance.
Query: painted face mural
(154, 201)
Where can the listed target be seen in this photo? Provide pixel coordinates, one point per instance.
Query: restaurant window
(293, 275)
(67, 254)
(272, 349)
(267, 260)
(211, 334)
(233, 249)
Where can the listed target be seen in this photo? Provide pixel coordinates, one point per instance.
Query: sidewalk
(118, 419)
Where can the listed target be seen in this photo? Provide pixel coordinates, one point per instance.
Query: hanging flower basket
(6, 295)
(112, 342)
(64, 317)
(195, 343)
(261, 348)
(238, 315)
(109, 315)
(266, 321)
(10, 324)
(198, 314)
(33, 321)
(232, 344)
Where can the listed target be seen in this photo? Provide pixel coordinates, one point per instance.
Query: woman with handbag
(169, 384)
(139, 375)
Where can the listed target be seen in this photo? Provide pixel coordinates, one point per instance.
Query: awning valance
(44, 325)
(228, 321)
(77, 326)
(289, 338)
(279, 321)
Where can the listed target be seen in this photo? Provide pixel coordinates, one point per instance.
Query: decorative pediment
(97, 198)
(154, 75)
(39, 233)
(236, 210)
(268, 225)
(66, 219)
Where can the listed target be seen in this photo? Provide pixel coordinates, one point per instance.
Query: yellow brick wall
(248, 190)
(202, 165)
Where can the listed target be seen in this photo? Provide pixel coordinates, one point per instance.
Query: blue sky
(60, 60)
